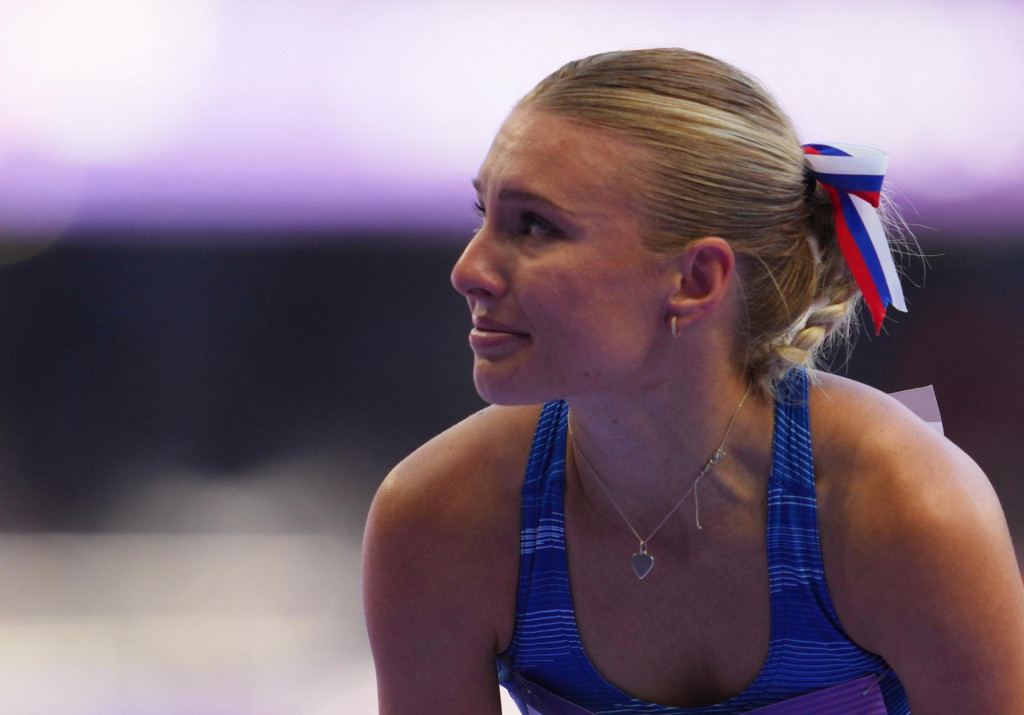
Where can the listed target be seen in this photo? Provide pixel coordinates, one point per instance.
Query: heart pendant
(642, 564)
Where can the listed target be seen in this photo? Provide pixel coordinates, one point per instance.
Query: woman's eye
(527, 223)
(533, 225)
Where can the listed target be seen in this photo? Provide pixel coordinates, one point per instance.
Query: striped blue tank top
(808, 649)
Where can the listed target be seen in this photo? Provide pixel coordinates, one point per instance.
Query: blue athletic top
(808, 650)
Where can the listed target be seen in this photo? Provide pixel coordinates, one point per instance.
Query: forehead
(572, 164)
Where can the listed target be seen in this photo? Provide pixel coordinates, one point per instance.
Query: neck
(641, 455)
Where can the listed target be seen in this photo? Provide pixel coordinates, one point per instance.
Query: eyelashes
(527, 223)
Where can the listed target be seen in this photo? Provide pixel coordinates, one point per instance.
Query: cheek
(561, 310)
(600, 323)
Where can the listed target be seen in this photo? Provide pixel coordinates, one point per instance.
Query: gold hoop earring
(676, 332)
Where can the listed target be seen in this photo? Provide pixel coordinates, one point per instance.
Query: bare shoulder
(917, 552)
(440, 557)
(467, 477)
(858, 430)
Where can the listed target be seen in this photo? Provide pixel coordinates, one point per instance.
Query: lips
(486, 325)
(492, 339)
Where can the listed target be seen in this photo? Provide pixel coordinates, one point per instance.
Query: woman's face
(565, 298)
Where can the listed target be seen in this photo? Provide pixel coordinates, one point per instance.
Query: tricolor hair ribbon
(853, 176)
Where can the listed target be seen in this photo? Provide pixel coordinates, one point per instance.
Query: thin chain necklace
(642, 561)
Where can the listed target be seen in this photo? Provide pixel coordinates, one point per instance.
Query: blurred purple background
(334, 114)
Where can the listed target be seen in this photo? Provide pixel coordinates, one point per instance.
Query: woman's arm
(921, 566)
(440, 558)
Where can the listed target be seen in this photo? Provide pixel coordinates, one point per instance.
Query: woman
(658, 266)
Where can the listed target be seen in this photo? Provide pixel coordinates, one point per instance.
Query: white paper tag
(921, 401)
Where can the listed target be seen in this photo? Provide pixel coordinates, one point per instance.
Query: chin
(509, 390)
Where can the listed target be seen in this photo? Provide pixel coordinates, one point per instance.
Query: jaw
(517, 379)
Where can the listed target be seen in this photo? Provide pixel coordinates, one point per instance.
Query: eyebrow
(518, 195)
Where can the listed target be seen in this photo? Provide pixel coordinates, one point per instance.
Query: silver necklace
(642, 561)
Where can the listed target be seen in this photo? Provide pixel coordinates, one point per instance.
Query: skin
(568, 303)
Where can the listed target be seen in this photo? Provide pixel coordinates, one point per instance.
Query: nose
(480, 272)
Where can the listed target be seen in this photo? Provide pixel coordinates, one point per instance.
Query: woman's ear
(701, 278)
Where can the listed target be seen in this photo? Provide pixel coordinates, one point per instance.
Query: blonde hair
(720, 158)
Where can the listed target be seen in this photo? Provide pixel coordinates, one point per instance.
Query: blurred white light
(164, 624)
(356, 114)
(432, 82)
(104, 81)
(931, 83)
(939, 86)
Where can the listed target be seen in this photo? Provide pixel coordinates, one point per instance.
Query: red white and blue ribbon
(853, 177)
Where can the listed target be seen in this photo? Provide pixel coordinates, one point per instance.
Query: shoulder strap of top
(541, 549)
(793, 461)
(548, 444)
(805, 625)
(794, 544)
